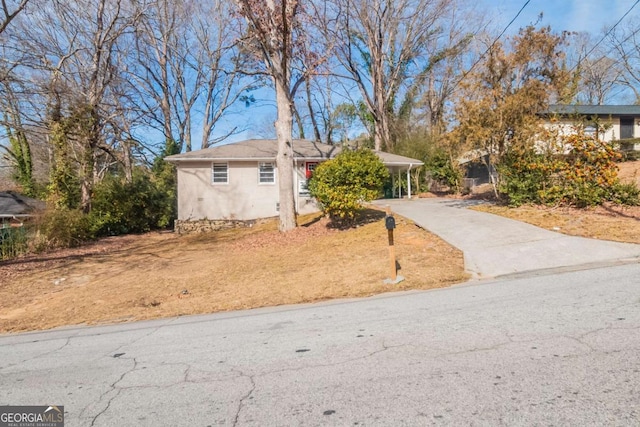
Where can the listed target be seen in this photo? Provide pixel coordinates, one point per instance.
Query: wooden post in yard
(390, 224)
(392, 249)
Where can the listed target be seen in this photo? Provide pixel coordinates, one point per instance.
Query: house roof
(16, 205)
(599, 110)
(267, 149)
(257, 149)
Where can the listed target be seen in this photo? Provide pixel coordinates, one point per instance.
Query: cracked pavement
(553, 349)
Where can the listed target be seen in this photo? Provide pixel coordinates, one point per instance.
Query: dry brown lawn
(163, 274)
(608, 222)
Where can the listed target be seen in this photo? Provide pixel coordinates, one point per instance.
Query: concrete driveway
(496, 246)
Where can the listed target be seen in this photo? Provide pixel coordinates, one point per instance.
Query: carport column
(399, 184)
(393, 185)
(409, 181)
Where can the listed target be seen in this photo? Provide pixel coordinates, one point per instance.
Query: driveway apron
(496, 246)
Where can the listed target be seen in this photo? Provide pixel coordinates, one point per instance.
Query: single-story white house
(236, 183)
(606, 122)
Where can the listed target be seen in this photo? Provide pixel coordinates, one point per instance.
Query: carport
(400, 169)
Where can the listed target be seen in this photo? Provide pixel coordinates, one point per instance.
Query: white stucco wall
(611, 132)
(242, 198)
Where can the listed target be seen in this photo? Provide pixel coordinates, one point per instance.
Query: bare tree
(18, 150)
(384, 45)
(597, 75)
(599, 78)
(11, 9)
(71, 56)
(276, 34)
(187, 68)
(625, 42)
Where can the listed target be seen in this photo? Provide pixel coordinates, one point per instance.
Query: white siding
(243, 198)
(612, 132)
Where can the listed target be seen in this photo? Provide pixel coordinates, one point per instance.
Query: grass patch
(163, 274)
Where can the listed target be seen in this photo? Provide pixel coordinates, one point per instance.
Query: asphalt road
(555, 349)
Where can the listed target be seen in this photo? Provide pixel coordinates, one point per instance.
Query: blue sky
(571, 15)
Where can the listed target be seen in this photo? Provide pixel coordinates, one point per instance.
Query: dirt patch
(629, 172)
(163, 274)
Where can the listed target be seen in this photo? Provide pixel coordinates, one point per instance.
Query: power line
(633, 33)
(495, 41)
(605, 35)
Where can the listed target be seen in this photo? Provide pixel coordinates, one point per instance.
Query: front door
(626, 127)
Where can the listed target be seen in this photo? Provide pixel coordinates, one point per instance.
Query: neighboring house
(238, 182)
(606, 122)
(15, 208)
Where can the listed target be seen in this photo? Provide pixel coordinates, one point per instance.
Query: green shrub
(13, 242)
(585, 176)
(118, 207)
(342, 184)
(62, 227)
(630, 156)
(442, 169)
(625, 194)
(525, 177)
(121, 207)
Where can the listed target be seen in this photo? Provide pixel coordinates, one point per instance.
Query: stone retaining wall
(208, 225)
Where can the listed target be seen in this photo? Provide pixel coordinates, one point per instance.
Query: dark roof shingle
(599, 110)
(266, 149)
(14, 204)
(258, 149)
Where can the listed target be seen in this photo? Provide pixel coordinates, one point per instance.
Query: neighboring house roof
(598, 110)
(267, 149)
(14, 205)
(471, 155)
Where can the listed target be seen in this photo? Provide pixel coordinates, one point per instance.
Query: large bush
(586, 175)
(342, 184)
(61, 227)
(442, 169)
(121, 207)
(118, 207)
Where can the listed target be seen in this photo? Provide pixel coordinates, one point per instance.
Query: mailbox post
(390, 224)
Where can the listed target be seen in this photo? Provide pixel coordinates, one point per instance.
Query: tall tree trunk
(87, 169)
(314, 122)
(296, 114)
(127, 159)
(284, 159)
(382, 136)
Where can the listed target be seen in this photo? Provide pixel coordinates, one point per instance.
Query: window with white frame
(267, 173)
(220, 173)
